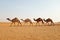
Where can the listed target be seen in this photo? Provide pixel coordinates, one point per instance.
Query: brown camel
(27, 20)
(38, 20)
(48, 20)
(14, 20)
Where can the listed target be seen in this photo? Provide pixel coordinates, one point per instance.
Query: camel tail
(42, 22)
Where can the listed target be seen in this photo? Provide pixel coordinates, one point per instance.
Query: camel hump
(15, 18)
(39, 19)
(27, 19)
(49, 19)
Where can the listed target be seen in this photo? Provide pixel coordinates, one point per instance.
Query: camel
(27, 20)
(48, 20)
(38, 20)
(14, 20)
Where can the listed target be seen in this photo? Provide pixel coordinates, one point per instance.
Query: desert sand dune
(27, 32)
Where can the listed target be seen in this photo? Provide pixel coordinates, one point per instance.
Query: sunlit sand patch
(28, 32)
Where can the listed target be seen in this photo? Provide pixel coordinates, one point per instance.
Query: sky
(23, 9)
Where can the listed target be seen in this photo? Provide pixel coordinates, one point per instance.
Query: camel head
(8, 19)
(22, 19)
(34, 19)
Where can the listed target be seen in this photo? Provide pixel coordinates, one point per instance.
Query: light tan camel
(27, 20)
(14, 20)
(48, 20)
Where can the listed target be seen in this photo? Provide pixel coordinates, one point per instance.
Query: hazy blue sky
(30, 9)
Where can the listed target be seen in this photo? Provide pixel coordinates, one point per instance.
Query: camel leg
(47, 23)
(52, 23)
(11, 24)
(31, 23)
(42, 22)
(19, 23)
(37, 23)
(25, 23)
(14, 23)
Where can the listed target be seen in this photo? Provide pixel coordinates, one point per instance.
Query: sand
(29, 32)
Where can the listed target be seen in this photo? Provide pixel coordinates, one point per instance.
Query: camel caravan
(48, 21)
